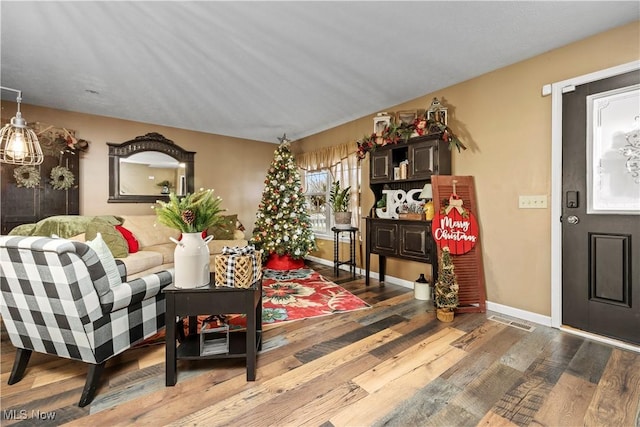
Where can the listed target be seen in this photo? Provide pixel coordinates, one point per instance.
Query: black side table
(351, 262)
(211, 300)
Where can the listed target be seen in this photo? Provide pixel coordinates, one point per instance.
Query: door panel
(601, 222)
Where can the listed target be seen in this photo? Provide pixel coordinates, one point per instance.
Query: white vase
(191, 261)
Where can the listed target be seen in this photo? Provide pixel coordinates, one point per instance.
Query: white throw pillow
(107, 260)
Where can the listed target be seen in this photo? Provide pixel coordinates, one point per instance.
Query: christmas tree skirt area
(289, 295)
(283, 262)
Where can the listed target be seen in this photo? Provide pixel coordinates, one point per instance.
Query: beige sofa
(156, 249)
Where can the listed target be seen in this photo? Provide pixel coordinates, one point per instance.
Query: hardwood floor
(393, 364)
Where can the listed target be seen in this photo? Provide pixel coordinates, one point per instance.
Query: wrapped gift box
(238, 267)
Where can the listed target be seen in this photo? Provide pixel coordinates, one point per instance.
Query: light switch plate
(532, 202)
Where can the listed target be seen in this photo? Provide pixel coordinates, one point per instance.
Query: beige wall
(506, 122)
(234, 168)
(501, 116)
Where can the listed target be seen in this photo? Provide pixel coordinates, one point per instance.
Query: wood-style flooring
(393, 364)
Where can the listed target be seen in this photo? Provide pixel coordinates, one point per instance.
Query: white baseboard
(520, 314)
(388, 279)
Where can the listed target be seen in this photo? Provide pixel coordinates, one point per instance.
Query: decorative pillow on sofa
(107, 260)
(23, 230)
(64, 226)
(112, 237)
(132, 242)
(225, 229)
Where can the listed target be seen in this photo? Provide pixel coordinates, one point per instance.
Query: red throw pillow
(134, 246)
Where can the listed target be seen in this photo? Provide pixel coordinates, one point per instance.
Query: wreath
(61, 178)
(26, 176)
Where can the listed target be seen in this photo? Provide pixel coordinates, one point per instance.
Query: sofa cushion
(141, 261)
(148, 230)
(225, 229)
(114, 240)
(107, 260)
(165, 249)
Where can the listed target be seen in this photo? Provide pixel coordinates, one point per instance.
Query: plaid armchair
(56, 299)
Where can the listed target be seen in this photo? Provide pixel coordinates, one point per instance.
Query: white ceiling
(256, 70)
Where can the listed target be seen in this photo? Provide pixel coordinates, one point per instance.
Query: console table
(211, 300)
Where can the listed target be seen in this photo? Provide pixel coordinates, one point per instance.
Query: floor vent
(515, 324)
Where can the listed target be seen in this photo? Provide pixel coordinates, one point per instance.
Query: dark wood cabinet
(400, 238)
(28, 205)
(381, 169)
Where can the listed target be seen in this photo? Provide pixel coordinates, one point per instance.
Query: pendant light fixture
(18, 144)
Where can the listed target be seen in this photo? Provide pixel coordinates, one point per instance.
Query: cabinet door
(415, 242)
(380, 166)
(20, 205)
(59, 202)
(384, 238)
(422, 159)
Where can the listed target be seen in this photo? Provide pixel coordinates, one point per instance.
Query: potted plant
(166, 186)
(192, 214)
(339, 203)
(446, 288)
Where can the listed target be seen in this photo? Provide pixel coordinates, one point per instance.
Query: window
(319, 169)
(317, 186)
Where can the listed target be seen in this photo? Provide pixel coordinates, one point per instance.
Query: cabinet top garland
(395, 133)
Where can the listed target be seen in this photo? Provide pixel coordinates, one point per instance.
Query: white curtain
(342, 162)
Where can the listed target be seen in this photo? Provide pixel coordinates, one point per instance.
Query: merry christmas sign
(455, 227)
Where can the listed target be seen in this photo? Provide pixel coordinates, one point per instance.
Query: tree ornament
(455, 227)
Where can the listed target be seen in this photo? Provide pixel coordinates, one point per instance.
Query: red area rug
(289, 295)
(302, 294)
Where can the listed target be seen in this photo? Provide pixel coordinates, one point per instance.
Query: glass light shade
(18, 144)
(427, 192)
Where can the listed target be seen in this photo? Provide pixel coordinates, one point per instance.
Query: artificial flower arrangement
(396, 133)
(413, 207)
(192, 213)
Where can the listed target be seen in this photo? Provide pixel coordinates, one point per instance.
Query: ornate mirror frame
(149, 142)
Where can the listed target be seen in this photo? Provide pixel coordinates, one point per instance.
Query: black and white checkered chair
(56, 299)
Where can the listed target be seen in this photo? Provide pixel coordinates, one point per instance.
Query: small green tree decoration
(446, 288)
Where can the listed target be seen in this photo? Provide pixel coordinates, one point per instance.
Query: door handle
(572, 219)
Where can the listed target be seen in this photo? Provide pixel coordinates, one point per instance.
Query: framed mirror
(147, 168)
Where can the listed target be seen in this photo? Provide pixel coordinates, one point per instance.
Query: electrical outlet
(532, 202)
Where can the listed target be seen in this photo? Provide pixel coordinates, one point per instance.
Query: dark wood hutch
(398, 238)
(22, 205)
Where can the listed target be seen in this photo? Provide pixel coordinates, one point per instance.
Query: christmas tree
(446, 292)
(283, 225)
